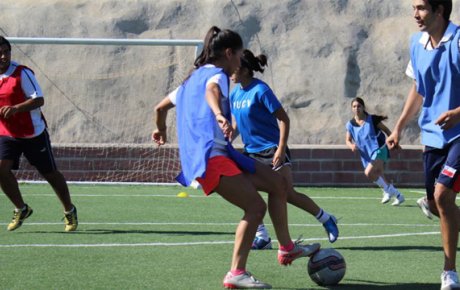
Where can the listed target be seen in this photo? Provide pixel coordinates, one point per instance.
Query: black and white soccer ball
(326, 267)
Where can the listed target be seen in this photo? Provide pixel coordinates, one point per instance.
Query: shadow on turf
(112, 232)
(376, 286)
(395, 248)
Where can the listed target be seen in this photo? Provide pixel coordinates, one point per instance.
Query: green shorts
(381, 154)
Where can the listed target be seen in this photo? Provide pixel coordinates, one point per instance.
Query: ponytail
(253, 63)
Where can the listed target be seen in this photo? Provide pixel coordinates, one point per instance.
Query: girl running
(366, 134)
(203, 114)
(264, 128)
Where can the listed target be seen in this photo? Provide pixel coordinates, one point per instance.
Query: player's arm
(349, 142)
(236, 132)
(449, 119)
(284, 125)
(31, 90)
(384, 128)
(411, 107)
(26, 106)
(161, 112)
(213, 94)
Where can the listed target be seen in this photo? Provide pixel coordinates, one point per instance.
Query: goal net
(99, 104)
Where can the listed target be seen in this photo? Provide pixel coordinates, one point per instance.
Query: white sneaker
(423, 205)
(244, 281)
(449, 280)
(399, 197)
(398, 200)
(386, 197)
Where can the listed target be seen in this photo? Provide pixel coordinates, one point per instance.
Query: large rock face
(322, 53)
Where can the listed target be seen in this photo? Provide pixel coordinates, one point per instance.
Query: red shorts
(217, 166)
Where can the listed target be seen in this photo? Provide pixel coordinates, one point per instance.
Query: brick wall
(333, 165)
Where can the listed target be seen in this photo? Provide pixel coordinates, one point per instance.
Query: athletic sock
(237, 272)
(382, 184)
(288, 247)
(322, 216)
(67, 212)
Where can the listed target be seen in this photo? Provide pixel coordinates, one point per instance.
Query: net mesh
(99, 104)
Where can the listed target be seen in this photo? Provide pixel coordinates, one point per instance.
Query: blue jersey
(253, 108)
(437, 73)
(367, 137)
(196, 124)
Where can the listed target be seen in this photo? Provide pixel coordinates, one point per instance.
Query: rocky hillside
(322, 53)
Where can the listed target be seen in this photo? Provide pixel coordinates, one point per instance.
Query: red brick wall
(333, 165)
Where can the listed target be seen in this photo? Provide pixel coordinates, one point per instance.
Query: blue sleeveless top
(437, 74)
(368, 138)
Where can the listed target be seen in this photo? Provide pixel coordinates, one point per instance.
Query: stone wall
(333, 166)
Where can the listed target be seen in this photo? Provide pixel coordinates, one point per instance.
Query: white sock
(381, 183)
(322, 216)
(20, 209)
(262, 232)
(67, 212)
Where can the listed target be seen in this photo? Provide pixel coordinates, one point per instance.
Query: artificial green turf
(131, 258)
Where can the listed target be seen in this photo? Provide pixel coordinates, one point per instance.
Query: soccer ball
(326, 267)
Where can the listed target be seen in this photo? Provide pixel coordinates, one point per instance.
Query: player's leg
(9, 183)
(374, 172)
(448, 214)
(10, 152)
(39, 153)
(447, 186)
(224, 177)
(239, 191)
(304, 202)
(274, 184)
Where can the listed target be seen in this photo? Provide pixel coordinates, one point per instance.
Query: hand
(7, 111)
(159, 137)
(278, 158)
(448, 119)
(353, 148)
(225, 125)
(393, 141)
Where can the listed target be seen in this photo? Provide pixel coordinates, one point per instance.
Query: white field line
(108, 245)
(202, 196)
(220, 224)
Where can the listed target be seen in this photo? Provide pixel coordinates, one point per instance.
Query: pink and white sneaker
(244, 281)
(286, 258)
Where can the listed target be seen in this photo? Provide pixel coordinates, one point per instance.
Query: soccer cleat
(71, 220)
(386, 197)
(449, 280)
(286, 258)
(423, 205)
(19, 217)
(244, 281)
(398, 200)
(261, 244)
(331, 229)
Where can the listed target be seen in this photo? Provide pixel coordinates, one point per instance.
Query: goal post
(99, 100)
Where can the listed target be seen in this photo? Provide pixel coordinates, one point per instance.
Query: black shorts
(443, 166)
(36, 150)
(266, 157)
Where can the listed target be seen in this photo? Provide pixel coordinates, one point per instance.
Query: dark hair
(447, 4)
(379, 118)
(3, 41)
(253, 63)
(215, 43)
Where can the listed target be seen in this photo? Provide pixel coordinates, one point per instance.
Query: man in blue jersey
(435, 68)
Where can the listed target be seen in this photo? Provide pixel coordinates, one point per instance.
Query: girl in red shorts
(202, 116)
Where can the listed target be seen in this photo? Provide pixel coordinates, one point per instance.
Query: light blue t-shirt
(437, 73)
(253, 108)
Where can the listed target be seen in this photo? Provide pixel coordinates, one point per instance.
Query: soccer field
(145, 237)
